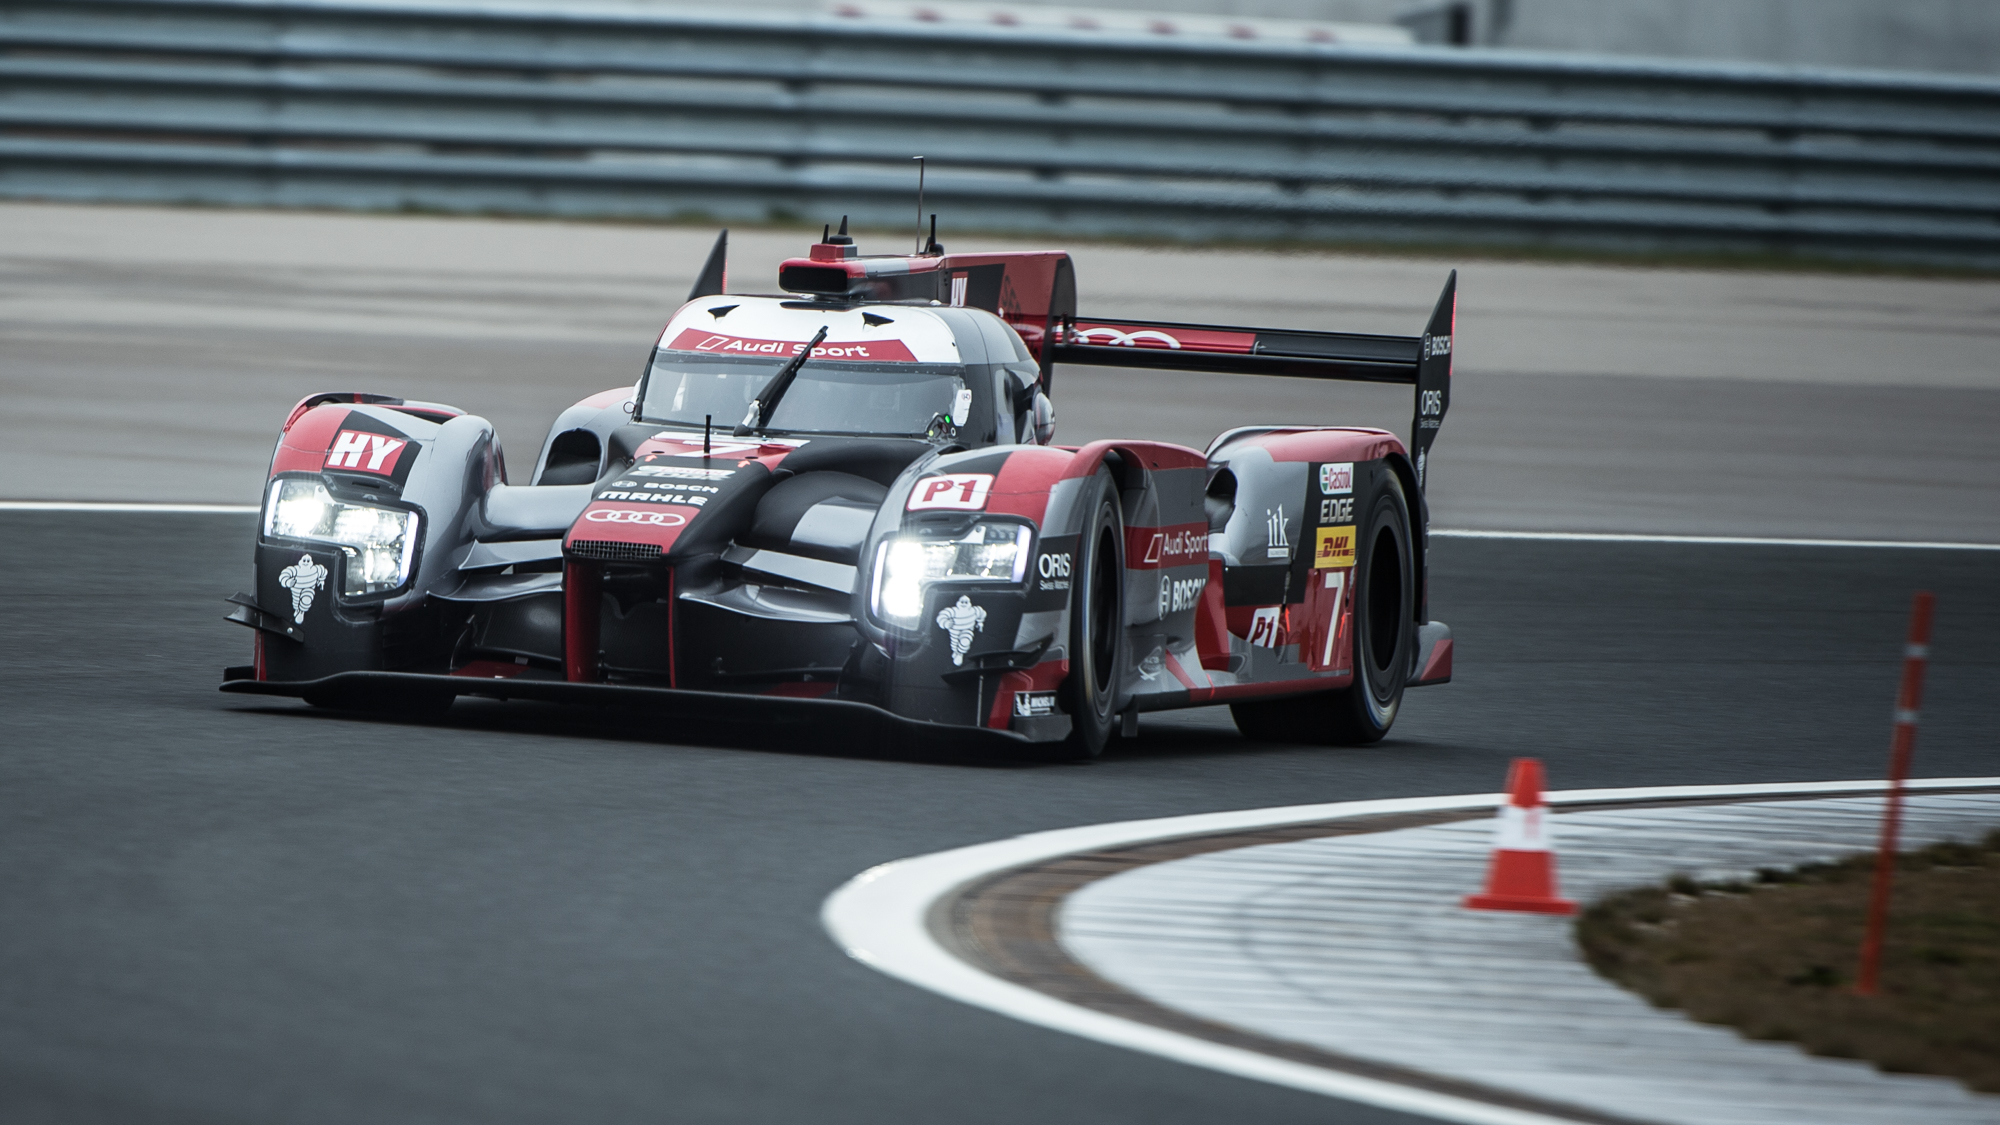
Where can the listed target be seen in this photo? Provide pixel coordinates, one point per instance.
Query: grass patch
(1775, 958)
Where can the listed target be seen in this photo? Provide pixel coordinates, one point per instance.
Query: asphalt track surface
(214, 909)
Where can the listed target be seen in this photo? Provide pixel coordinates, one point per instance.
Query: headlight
(379, 542)
(905, 564)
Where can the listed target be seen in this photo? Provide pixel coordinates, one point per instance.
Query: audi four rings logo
(1115, 338)
(624, 515)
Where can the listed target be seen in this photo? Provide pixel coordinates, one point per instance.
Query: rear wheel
(1096, 626)
(1384, 639)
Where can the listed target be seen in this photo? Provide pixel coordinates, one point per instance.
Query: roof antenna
(825, 231)
(934, 248)
(920, 205)
(840, 237)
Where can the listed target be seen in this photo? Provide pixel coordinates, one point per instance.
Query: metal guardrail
(348, 103)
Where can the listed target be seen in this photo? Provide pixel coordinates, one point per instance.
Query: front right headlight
(380, 543)
(906, 565)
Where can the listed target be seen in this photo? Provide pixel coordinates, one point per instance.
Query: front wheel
(1096, 625)
(1384, 637)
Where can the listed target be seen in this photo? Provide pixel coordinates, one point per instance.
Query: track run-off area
(220, 909)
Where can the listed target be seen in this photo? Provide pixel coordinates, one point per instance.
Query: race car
(839, 506)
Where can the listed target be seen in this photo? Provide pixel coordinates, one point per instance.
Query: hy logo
(959, 621)
(373, 453)
(304, 578)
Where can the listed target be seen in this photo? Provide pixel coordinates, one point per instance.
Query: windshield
(833, 398)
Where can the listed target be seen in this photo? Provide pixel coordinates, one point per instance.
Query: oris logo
(1053, 566)
(627, 515)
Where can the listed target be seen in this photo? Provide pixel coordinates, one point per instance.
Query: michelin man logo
(961, 619)
(303, 578)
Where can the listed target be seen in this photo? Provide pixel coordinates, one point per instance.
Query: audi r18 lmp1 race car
(841, 502)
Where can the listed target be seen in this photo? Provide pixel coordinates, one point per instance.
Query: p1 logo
(1267, 627)
(964, 492)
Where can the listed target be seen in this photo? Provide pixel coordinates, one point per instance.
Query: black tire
(1096, 625)
(1384, 636)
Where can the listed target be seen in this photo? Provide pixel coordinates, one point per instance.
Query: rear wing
(1423, 361)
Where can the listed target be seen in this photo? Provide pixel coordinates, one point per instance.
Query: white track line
(1725, 540)
(1443, 533)
(110, 506)
(880, 918)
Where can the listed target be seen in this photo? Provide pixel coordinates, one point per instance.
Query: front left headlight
(379, 543)
(906, 564)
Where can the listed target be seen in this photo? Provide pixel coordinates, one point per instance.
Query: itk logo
(374, 453)
(960, 621)
(1278, 546)
(958, 491)
(1336, 479)
(1267, 627)
(304, 578)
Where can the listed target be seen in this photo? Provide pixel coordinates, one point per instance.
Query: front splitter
(852, 720)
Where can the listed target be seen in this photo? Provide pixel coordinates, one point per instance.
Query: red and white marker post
(1522, 875)
(1909, 700)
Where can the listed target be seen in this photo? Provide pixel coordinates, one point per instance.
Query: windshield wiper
(766, 402)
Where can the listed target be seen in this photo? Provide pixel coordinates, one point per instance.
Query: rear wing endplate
(1421, 361)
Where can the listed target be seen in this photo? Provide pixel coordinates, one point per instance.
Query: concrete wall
(1928, 35)
(1935, 35)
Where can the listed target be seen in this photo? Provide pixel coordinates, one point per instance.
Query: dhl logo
(1335, 548)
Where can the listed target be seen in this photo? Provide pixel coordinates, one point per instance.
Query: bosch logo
(626, 515)
(1115, 338)
(1437, 345)
(1180, 594)
(1053, 566)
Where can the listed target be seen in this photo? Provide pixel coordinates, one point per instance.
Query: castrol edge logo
(881, 351)
(965, 492)
(632, 516)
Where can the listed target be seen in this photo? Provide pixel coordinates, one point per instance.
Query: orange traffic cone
(1523, 872)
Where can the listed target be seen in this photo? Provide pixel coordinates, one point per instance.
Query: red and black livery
(842, 502)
